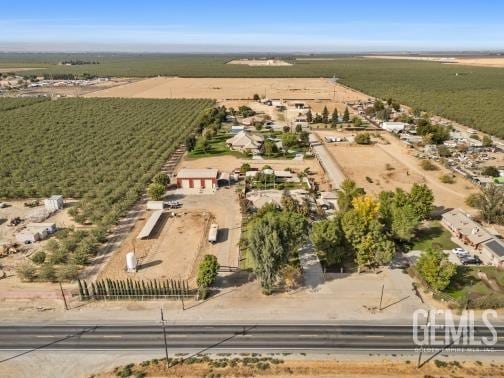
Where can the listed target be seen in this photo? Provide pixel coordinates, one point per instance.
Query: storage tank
(131, 262)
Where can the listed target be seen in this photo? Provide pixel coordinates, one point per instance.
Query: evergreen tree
(346, 115)
(334, 118)
(325, 115)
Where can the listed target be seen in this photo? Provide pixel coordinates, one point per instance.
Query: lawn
(433, 235)
(467, 286)
(217, 147)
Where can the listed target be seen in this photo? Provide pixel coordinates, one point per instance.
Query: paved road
(218, 337)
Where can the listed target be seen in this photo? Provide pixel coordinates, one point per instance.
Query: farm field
(102, 151)
(382, 167)
(470, 95)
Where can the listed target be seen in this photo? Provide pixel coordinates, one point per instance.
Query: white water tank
(131, 262)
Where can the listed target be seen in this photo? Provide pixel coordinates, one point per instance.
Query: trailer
(212, 233)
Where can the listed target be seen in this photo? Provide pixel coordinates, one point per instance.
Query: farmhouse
(199, 179)
(465, 229)
(393, 127)
(54, 203)
(246, 142)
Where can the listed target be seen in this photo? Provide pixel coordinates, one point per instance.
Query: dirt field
(362, 162)
(169, 253)
(480, 61)
(228, 89)
(260, 62)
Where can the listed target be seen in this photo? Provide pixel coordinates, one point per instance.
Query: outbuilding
(28, 237)
(198, 179)
(394, 127)
(54, 203)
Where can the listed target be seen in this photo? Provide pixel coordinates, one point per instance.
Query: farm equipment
(9, 249)
(33, 203)
(14, 222)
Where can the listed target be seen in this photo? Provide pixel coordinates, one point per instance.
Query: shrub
(161, 178)
(47, 273)
(427, 165)
(58, 257)
(39, 257)
(490, 171)
(26, 271)
(363, 138)
(447, 179)
(67, 272)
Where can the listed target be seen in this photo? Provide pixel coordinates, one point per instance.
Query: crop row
(102, 151)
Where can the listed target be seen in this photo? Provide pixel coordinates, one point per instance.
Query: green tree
(404, 222)
(245, 167)
(256, 97)
(347, 192)
(161, 178)
(267, 251)
(309, 116)
(156, 191)
(67, 272)
(363, 138)
(39, 257)
(289, 140)
(436, 270)
(487, 141)
(207, 271)
(346, 115)
(334, 118)
(325, 115)
(328, 238)
(268, 147)
(422, 200)
(288, 203)
(190, 142)
(299, 128)
(490, 171)
(202, 144)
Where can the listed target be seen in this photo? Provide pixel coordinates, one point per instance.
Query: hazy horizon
(262, 27)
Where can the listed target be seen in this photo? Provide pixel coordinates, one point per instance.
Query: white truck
(212, 233)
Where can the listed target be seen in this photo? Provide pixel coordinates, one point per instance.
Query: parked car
(399, 265)
(470, 260)
(460, 252)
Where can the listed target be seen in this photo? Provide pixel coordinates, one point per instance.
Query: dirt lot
(362, 162)
(169, 253)
(472, 61)
(260, 62)
(317, 92)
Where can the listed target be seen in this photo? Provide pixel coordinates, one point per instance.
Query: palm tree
(347, 192)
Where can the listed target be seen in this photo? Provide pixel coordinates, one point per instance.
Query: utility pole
(164, 336)
(427, 324)
(182, 296)
(63, 296)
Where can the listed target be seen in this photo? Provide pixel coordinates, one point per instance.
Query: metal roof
(150, 224)
(187, 173)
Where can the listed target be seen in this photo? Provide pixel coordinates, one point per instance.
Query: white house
(393, 127)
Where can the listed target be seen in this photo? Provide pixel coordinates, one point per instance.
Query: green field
(470, 95)
(103, 151)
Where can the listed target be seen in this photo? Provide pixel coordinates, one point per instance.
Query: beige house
(246, 142)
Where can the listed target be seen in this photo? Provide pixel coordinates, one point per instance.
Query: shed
(205, 178)
(54, 203)
(150, 224)
(27, 237)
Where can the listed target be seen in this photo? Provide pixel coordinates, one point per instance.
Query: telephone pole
(164, 336)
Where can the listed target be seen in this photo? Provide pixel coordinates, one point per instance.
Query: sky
(252, 26)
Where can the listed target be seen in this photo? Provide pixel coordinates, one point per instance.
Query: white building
(393, 127)
(54, 203)
(28, 237)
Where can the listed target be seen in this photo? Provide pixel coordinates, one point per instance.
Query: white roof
(186, 173)
(150, 224)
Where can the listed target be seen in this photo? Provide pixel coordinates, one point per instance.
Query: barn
(198, 180)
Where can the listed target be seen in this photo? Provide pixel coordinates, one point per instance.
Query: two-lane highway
(226, 337)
